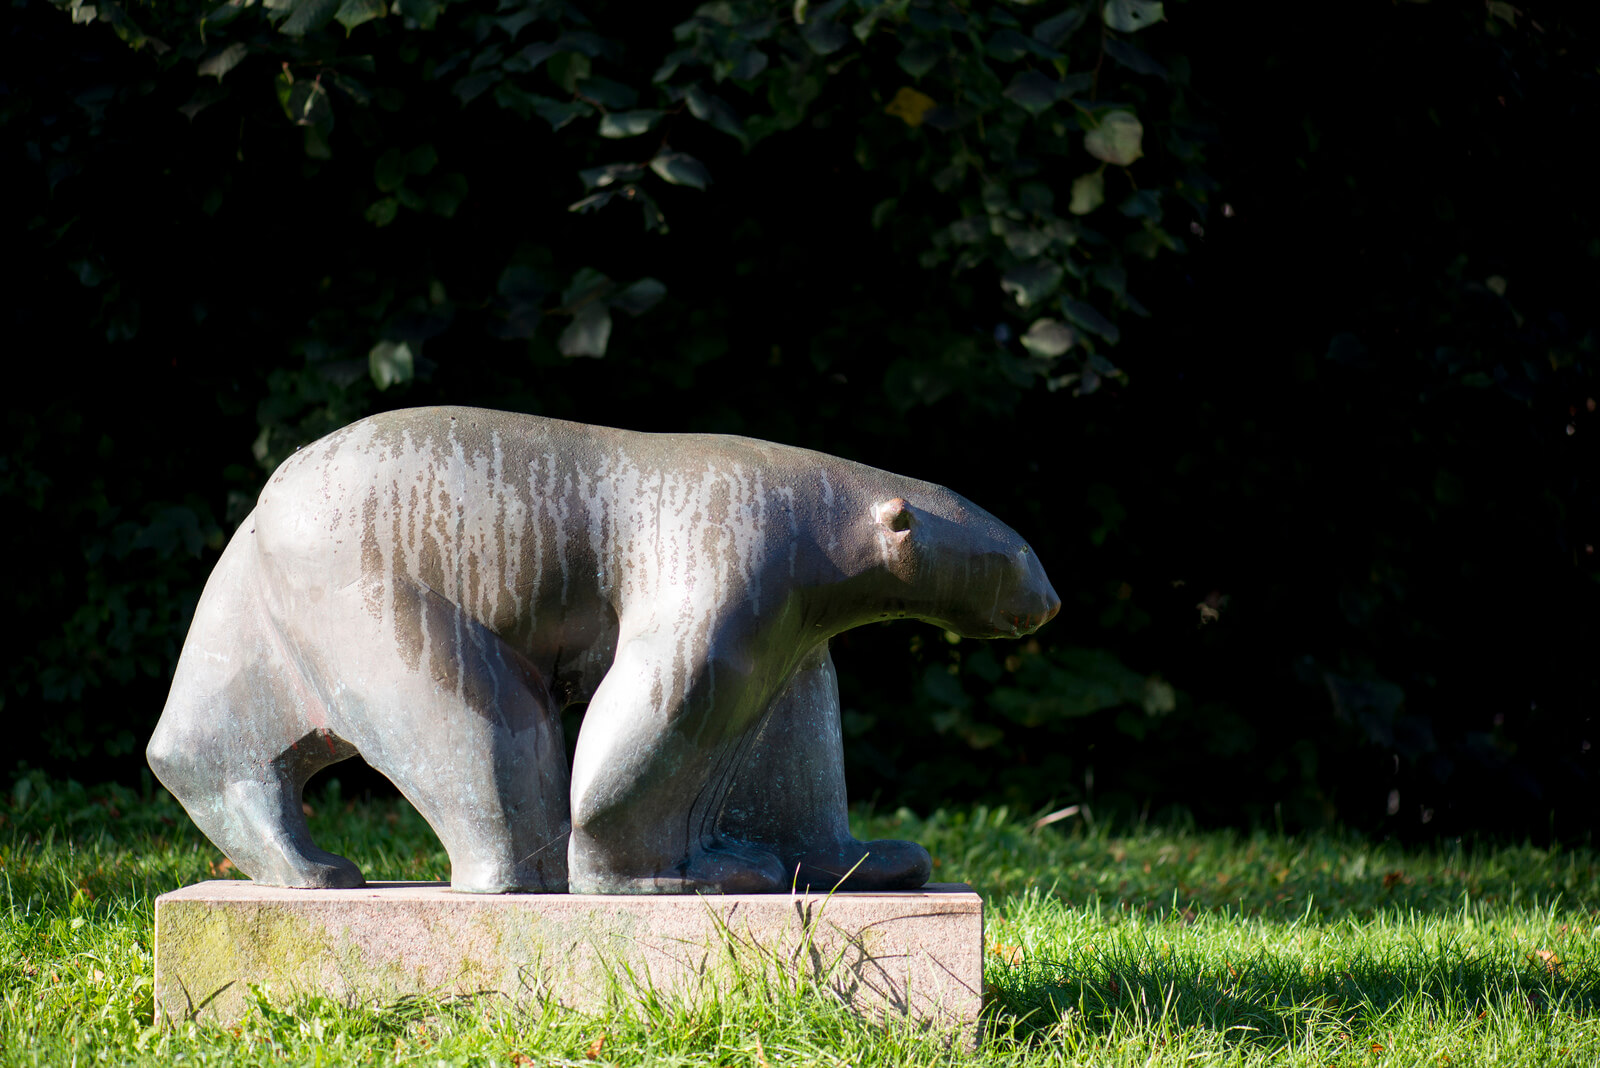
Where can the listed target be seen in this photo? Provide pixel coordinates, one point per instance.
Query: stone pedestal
(918, 953)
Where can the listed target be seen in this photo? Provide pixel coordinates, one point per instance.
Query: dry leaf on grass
(1009, 954)
(1548, 958)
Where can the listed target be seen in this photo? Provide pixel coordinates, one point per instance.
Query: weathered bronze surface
(429, 588)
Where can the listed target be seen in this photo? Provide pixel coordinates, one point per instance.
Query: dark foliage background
(1321, 500)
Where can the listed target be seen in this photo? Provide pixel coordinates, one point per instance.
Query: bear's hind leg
(254, 816)
(789, 795)
(269, 815)
(238, 736)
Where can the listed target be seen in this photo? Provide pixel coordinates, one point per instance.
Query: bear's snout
(1050, 612)
(1052, 600)
(1027, 624)
(1045, 597)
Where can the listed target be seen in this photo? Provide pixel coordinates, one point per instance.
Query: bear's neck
(841, 574)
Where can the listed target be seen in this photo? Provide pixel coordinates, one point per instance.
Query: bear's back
(525, 521)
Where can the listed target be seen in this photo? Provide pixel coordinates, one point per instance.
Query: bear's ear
(893, 514)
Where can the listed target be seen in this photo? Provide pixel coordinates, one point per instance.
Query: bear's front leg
(660, 743)
(789, 795)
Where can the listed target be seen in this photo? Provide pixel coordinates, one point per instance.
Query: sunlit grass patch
(1154, 946)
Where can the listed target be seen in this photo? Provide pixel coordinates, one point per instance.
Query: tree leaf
(224, 61)
(1142, 204)
(588, 44)
(560, 112)
(1126, 16)
(391, 363)
(1033, 91)
(863, 26)
(1088, 193)
(628, 123)
(521, 291)
(490, 57)
(670, 65)
(475, 85)
(1037, 197)
(751, 64)
(639, 297)
(1076, 83)
(353, 13)
(1008, 46)
(1048, 338)
(1113, 278)
(1149, 241)
(352, 88)
(1031, 283)
(1504, 11)
(204, 96)
(1024, 241)
(389, 171)
(310, 106)
(609, 93)
(509, 95)
(680, 168)
(424, 12)
(588, 333)
(447, 194)
(516, 22)
(921, 56)
(824, 36)
(307, 16)
(587, 284)
(382, 212)
(316, 142)
(1134, 58)
(592, 202)
(1052, 31)
(610, 174)
(528, 60)
(421, 160)
(217, 18)
(654, 221)
(1119, 139)
(566, 69)
(1086, 316)
(520, 282)
(909, 106)
(715, 111)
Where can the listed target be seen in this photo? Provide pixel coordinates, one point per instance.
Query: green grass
(1145, 946)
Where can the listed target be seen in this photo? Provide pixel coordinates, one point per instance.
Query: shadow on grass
(1273, 1000)
(1148, 867)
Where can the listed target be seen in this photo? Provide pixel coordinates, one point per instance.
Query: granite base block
(917, 954)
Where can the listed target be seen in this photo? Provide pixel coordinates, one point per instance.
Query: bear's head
(953, 564)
